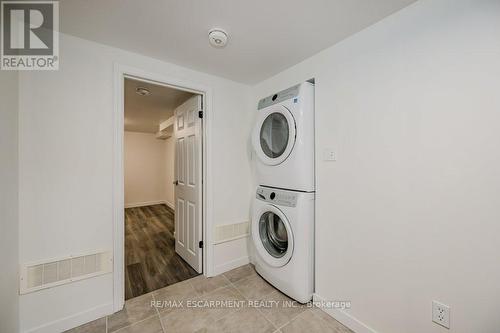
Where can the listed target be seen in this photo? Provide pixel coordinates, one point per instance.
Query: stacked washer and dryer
(283, 209)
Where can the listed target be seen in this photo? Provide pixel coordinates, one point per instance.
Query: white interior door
(188, 175)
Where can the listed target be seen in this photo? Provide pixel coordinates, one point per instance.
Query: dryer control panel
(279, 97)
(277, 197)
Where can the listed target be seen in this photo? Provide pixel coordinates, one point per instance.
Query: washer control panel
(277, 197)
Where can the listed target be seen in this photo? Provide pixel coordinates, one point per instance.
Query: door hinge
(200, 114)
(200, 244)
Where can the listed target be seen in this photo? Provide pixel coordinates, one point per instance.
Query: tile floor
(185, 312)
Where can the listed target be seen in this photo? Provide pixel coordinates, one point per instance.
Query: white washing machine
(283, 139)
(283, 238)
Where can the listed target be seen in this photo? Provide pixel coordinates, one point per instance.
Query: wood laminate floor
(150, 259)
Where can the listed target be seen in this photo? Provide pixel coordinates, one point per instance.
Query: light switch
(329, 155)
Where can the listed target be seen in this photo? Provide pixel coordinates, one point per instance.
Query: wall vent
(50, 273)
(229, 232)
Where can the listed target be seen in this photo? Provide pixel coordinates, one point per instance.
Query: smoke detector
(142, 91)
(217, 38)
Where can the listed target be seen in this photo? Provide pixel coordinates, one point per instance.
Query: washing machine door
(272, 236)
(274, 134)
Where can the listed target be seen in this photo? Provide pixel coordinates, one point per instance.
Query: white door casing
(188, 184)
(120, 73)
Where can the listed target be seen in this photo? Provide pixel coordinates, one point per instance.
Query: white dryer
(283, 139)
(283, 238)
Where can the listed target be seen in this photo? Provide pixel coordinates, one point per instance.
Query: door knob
(176, 182)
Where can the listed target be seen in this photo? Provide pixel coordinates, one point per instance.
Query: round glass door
(273, 234)
(274, 135)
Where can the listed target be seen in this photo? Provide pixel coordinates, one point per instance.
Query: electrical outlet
(329, 155)
(441, 314)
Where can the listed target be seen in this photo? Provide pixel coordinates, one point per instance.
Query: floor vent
(51, 273)
(229, 232)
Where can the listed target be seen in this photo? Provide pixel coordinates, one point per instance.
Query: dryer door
(272, 236)
(274, 134)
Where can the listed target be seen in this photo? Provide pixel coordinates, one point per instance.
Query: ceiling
(265, 37)
(144, 113)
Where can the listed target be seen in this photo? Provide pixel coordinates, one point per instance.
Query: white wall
(9, 242)
(409, 212)
(145, 167)
(66, 160)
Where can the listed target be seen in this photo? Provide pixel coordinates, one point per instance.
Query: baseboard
(147, 203)
(227, 266)
(73, 321)
(170, 205)
(344, 318)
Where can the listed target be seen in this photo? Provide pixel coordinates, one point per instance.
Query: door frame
(120, 73)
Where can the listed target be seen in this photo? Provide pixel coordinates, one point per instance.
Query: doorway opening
(163, 172)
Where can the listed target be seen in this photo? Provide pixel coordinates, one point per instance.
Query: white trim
(146, 203)
(170, 205)
(344, 318)
(66, 323)
(118, 192)
(120, 72)
(227, 266)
